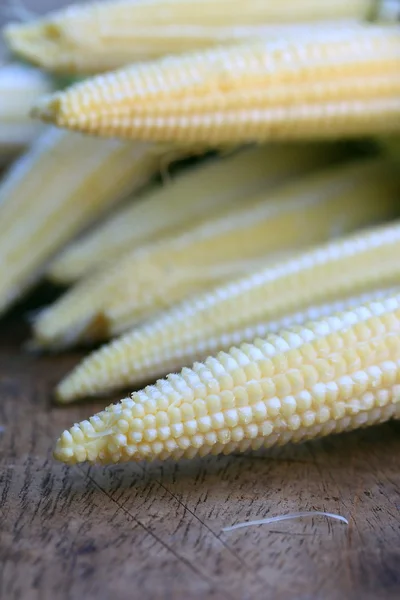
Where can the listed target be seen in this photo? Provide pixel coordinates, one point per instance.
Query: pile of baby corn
(218, 189)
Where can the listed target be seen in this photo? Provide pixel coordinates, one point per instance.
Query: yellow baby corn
(333, 375)
(107, 35)
(323, 83)
(145, 281)
(61, 184)
(188, 199)
(198, 326)
(20, 86)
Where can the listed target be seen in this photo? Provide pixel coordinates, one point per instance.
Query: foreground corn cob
(202, 325)
(61, 184)
(332, 375)
(20, 86)
(322, 83)
(103, 36)
(145, 281)
(190, 198)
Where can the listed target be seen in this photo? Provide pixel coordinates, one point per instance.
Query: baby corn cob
(62, 183)
(324, 83)
(145, 281)
(107, 35)
(201, 325)
(329, 376)
(190, 198)
(20, 86)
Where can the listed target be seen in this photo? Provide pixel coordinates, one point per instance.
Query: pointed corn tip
(64, 455)
(99, 440)
(59, 395)
(23, 41)
(48, 109)
(56, 330)
(37, 42)
(72, 387)
(65, 392)
(64, 449)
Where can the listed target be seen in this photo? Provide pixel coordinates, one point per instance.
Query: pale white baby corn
(198, 327)
(329, 376)
(325, 83)
(20, 86)
(188, 199)
(102, 36)
(143, 282)
(53, 191)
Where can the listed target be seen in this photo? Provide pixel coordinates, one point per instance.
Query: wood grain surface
(153, 532)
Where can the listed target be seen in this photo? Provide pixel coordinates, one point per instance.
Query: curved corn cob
(103, 36)
(322, 83)
(333, 375)
(190, 198)
(145, 281)
(199, 326)
(20, 86)
(61, 184)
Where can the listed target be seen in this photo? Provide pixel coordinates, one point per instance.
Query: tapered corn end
(333, 375)
(98, 439)
(93, 377)
(49, 109)
(94, 326)
(36, 42)
(62, 395)
(64, 450)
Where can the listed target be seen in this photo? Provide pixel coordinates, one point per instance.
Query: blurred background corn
(145, 281)
(195, 328)
(324, 83)
(107, 35)
(391, 146)
(20, 86)
(319, 207)
(53, 191)
(387, 10)
(187, 200)
(333, 375)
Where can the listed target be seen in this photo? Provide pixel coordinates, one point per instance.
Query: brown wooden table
(153, 532)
